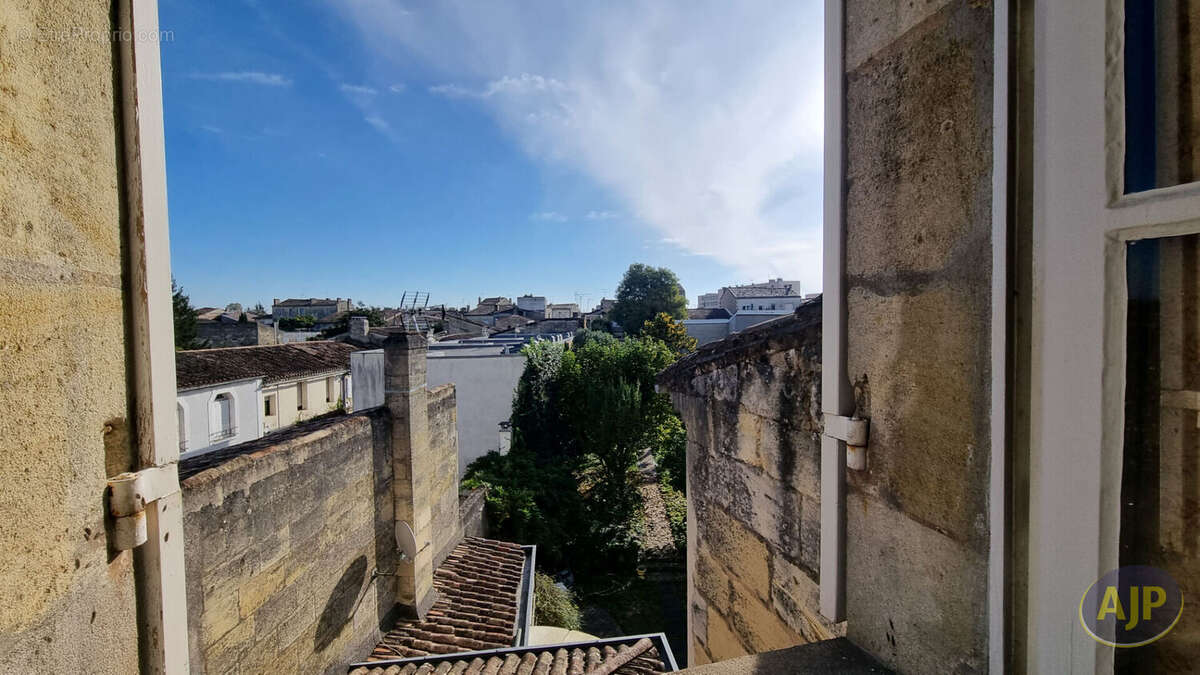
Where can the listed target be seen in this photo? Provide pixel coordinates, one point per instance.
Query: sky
(467, 148)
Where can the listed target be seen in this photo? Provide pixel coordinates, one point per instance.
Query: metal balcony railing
(222, 434)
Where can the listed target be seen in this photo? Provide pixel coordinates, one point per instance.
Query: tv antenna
(412, 307)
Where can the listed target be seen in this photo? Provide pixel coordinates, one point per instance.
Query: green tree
(374, 318)
(644, 292)
(553, 604)
(242, 318)
(673, 333)
(185, 320)
(258, 309)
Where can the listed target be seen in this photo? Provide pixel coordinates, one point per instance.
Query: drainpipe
(146, 505)
(836, 399)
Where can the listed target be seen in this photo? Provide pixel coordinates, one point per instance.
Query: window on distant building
(268, 405)
(222, 418)
(301, 396)
(329, 390)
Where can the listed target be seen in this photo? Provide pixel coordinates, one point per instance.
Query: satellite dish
(406, 542)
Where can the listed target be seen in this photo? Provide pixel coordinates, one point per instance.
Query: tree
(233, 307)
(243, 318)
(258, 309)
(374, 318)
(671, 332)
(644, 292)
(185, 320)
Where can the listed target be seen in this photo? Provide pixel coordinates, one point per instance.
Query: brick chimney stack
(406, 398)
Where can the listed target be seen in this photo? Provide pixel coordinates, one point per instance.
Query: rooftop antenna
(412, 308)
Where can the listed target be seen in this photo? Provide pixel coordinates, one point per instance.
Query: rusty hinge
(129, 494)
(854, 431)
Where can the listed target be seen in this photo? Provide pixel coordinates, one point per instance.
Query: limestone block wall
(751, 404)
(282, 541)
(67, 598)
(221, 334)
(918, 255)
(443, 445)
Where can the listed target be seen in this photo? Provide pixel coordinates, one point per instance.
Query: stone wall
(282, 542)
(751, 404)
(234, 334)
(918, 256)
(443, 445)
(68, 599)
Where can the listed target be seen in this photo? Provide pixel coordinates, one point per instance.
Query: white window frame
(1082, 224)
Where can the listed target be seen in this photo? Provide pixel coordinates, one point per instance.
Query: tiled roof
(478, 586)
(715, 313)
(306, 302)
(760, 291)
(617, 656)
(273, 363)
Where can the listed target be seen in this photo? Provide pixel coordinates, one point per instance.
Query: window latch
(854, 431)
(130, 494)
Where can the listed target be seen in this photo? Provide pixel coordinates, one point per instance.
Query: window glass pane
(1162, 93)
(1160, 482)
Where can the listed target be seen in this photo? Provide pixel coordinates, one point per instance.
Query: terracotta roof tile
(476, 609)
(613, 656)
(273, 363)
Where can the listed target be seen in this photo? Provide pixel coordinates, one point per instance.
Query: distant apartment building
(568, 310)
(233, 395)
(736, 308)
(317, 308)
(532, 306)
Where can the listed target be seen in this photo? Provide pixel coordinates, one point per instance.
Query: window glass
(1162, 93)
(1160, 480)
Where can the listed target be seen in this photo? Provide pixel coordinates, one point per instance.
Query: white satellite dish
(406, 542)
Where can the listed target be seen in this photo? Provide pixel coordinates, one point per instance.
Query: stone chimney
(406, 398)
(359, 327)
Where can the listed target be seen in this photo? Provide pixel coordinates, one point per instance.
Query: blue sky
(489, 147)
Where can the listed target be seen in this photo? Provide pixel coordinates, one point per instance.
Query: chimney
(359, 327)
(274, 301)
(406, 398)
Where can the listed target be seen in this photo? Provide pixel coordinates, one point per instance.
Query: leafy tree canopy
(644, 292)
(671, 332)
(185, 320)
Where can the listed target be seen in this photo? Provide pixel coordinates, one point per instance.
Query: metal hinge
(130, 494)
(854, 431)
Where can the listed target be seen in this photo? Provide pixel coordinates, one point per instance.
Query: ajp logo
(1131, 606)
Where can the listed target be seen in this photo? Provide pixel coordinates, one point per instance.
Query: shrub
(554, 605)
(676, 503)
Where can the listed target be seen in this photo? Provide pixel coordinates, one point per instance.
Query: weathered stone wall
(473, 512)
(443, 446)
(918, 255)
(67, 600)
(282, 542)
(751, 404)
(221, 334)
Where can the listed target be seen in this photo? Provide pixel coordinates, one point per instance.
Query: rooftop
(711, 313)
(761, 291)
(479, 594)
(307, 302)
(641, 655)
(273, 363)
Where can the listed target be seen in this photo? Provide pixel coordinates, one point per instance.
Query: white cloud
(602, 215)
(702, 116)
(358, 89)
(211, 129)
(397, 88)
(550, 216)
(249, 77)
(379, 123)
